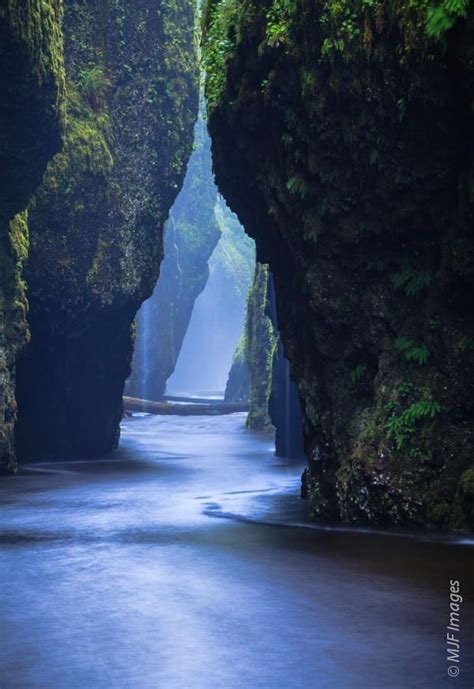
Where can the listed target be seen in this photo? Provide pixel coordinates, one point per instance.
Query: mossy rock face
(31, 123)
(260, 345)
(97, 221)
(260, 373)
(238, 383)
(339, 138)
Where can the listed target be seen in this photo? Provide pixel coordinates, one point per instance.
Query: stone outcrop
(205, 248)
(238, 383)
(342, 137)
(261, 344)
(96, 223)
(31, 122)
(261, 372)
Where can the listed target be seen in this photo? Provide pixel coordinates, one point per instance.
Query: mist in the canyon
(218, 317)
(188, 330)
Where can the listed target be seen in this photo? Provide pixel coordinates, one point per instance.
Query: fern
(93, 85)
(444, 15)
(357, 373)
(298, 186)
(411, 351)
(402, 426)
(410, 280)
(465, 343)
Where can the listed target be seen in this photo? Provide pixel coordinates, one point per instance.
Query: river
(185, 561)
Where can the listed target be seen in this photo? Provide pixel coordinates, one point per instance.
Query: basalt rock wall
(261, 372)
(342, 137)
(31, 123)
(97, 221)
(260, 346)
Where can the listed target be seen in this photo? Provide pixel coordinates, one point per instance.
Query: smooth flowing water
(185, 561)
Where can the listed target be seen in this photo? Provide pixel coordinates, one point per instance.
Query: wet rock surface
(340, 138)
(31, 122)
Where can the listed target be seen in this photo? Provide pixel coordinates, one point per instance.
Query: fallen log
(193, 400)
(131, 404)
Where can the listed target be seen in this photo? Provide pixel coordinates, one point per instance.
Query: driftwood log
(131, 404)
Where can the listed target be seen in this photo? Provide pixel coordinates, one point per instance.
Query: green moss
(37, 25)
(97, 221)
(315, 112)
(73, 190)
(348, 27)
(467, 484)
(260, 345)
(444, 14)
(31, 120)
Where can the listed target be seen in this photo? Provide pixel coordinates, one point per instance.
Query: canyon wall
(31, 124)
(238, 382)
(260, 373)
(219, 312)
(191, 235)
(96, 223)
(342, 137)
(260, 346)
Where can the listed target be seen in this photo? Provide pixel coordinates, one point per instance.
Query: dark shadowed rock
(31, 119)
(342, 138)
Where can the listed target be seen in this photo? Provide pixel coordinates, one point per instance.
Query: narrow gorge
(200, 294)
(236, 344)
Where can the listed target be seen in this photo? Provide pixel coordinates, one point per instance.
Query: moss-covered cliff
(238, 382)
(260, 372)
(96, 223)
(260, 345)
(342, 136)
(31, 115)
(191, 235)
